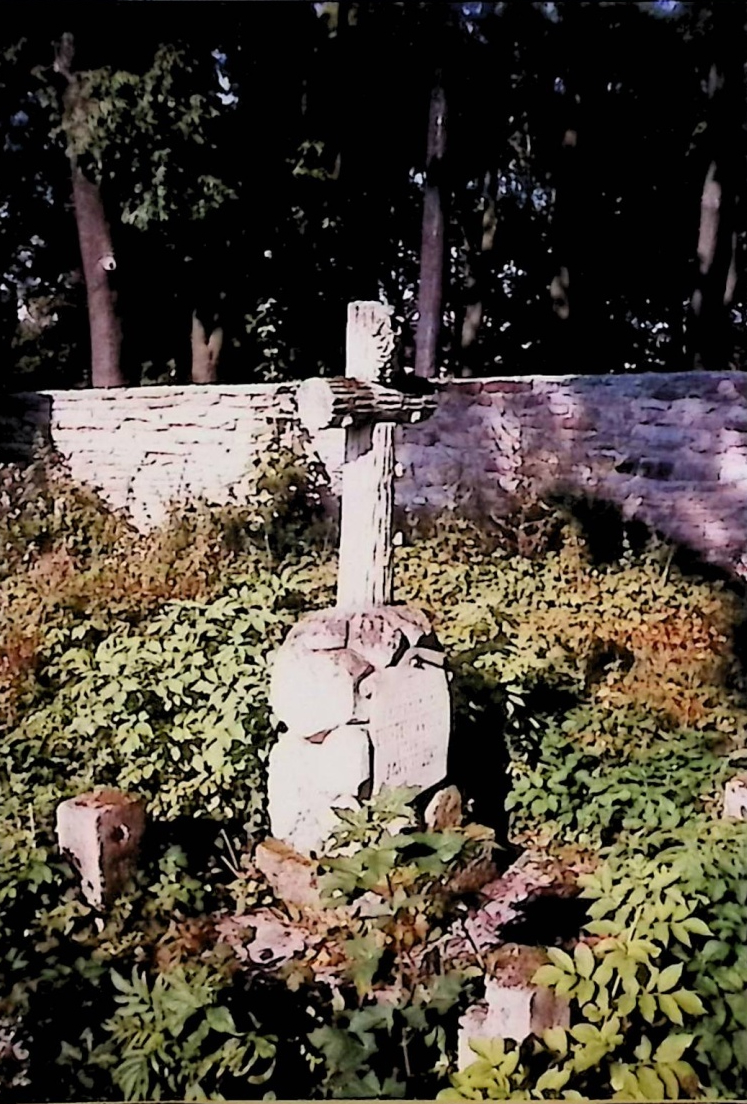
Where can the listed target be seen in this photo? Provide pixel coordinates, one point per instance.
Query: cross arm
(342, 402)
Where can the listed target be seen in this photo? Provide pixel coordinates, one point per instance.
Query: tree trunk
(709, 331)
(94, 239)
(433, 240)
(205, 352)
(476, 281)
(97, 254)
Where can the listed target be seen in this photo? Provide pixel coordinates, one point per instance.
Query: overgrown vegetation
(598, 707)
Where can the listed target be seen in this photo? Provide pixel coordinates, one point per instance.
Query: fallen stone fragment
(735, 797)
(513, 1008)
(292, 876)
(533, 875)
(100, 834)
(264, 938)
(444, 810)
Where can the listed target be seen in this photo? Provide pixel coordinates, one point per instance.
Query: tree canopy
(580, 207)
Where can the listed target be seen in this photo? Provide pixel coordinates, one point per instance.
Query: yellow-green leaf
(556, 1039)
(671, 1009)
(584, 960)
(669, 977)
(672, 1048)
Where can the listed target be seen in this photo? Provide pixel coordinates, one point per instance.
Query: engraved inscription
(410, 721)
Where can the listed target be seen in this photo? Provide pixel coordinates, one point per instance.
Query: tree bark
(97, 254)
(433, 239)
(476, 281)
(205, 352)
(709, 337)
(95, 241)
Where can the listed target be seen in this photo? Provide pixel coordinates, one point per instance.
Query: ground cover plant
(598, 707)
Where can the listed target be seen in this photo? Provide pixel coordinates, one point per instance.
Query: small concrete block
(735, 797)
(100, 834)
(513, 1008)
(292, 876)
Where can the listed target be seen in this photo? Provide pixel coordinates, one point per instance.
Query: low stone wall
(670, 450)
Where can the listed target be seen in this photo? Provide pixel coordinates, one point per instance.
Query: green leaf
(696, 926)
(553, 1080)
(220, 1019)
(561, 959)
(647, 1005)
(689, 1002)
(672, 1048)
(584, 959)
(547, 975)
(650, 1084)
(671, 1009)
(739, 1044)
(669, 977)
(556, 1039)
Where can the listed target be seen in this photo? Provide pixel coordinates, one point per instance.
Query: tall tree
(94, 234)
(709, 331)
(433, 237)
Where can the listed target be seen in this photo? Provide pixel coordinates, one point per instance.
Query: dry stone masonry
(364, 700)
(670, 449)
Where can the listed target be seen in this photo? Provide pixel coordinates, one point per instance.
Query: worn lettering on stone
(410, 723)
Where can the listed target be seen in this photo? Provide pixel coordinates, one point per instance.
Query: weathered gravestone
(360, 688)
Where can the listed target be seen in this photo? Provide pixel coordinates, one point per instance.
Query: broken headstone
(100, 834)
(735, 797)
(514, 1008)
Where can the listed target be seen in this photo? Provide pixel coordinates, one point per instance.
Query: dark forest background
(196, 191)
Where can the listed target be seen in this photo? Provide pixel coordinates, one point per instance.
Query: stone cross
(360, 689)
(368, 411)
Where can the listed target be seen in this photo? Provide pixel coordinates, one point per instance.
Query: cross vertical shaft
(365, 575)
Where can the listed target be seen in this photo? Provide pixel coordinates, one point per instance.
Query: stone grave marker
(360, 688)
(409, 724)
(100, 834)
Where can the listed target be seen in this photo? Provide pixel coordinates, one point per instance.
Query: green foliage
(630, 779)
(616, 688)
(397, 880)
(137, 125)
(174, 1038)
(626, 996)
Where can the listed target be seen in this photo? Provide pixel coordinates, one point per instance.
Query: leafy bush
(142, 661)
(627, 1000)
(628, 780)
